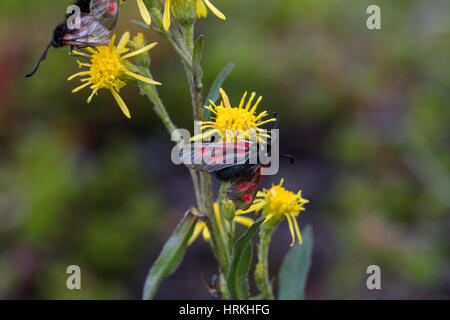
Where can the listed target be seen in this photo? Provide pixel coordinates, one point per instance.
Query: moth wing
(214, 156)
(91, 33)
(106, 12)
(242, 191)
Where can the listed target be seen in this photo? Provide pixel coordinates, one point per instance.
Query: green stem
(224, 216)
(185, 51)
(195, 83)
(223, 287)
(151, 92)
(174, 38)
(262, 268)
(196, 184)
(189, 36)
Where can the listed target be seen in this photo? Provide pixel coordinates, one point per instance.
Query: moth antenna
(288, 156)
(275, 115)
(42, 58)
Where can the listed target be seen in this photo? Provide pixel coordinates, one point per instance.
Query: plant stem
(203, 189)
(196, 86)
(262, 268)
(173, 39)
(151, 92)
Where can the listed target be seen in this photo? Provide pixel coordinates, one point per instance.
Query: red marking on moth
(247, 198)
(112, 8)
(217, 160)
(203, 150)
(253, 187)
(67, 36)
(244, 186)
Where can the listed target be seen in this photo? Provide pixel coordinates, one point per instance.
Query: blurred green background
(366, 113)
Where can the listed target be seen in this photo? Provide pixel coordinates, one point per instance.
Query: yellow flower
(234, 123)
(201, 9)
(278, 203)
(202, 228)
(107, 69)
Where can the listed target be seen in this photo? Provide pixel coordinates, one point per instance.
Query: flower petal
(142, 78)
(246, 221)
(291, 228)
(202, 12)
(197, 230)
(144, 12)
(121, 103)
(215, 10)
(123, 42)
(225, 99)
(79, 74)
(140, 51)
(166, 17)
(297, 230)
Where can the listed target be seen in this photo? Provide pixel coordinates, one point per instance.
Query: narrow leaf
(240, 263)
(294, 270)
(198, 53)
(171, 255)
(140, 23)
(215, 87)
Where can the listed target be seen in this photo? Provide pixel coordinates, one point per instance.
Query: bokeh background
(366, 114)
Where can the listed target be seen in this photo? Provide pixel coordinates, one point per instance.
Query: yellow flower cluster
(108, 70)
(278, 203)
(235, 123)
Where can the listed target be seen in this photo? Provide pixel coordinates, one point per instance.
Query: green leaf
(171, 255)
(140, 23)
(240, 263)
(294, 270)
(217, 84)
(197, 57)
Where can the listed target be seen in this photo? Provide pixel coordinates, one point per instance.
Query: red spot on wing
(112, 8)
(244, 186)
(67, 36)
(247, 198)
(202, 151)
(254, 186)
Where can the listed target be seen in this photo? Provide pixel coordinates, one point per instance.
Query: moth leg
(72, 54)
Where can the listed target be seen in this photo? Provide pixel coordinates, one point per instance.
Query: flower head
(201, 9)
(235, 123)
(202, 228)
(108, 69)
(278, 203)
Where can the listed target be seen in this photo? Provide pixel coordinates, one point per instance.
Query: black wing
(91, 33)
(106, 12)
(242, 191)
(213, 157)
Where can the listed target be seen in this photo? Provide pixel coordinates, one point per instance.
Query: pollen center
(106, 67)
(234, 119)
(281, 201)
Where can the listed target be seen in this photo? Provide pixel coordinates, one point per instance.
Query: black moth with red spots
(97, 19)
(230, 162)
